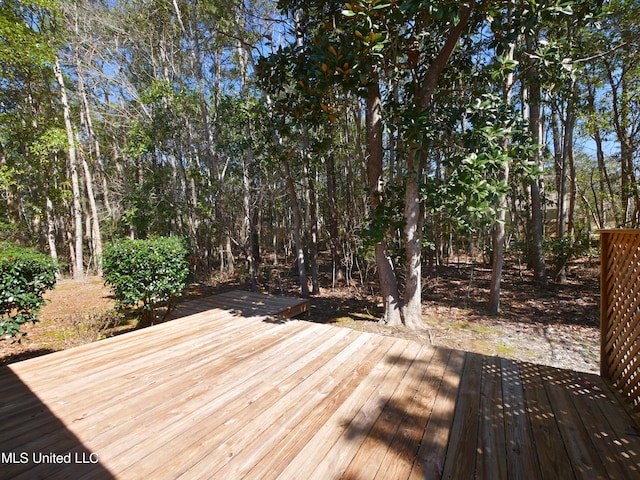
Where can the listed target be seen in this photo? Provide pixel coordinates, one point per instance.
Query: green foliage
(139, 141)
(153, 272)
(8, 231)
(52, 141)
(560, 251)
(387, 216)
(24, 277)
(23, 41)
(469, 191)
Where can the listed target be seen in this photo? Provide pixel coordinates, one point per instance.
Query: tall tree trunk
(497, 240)
(605, 180)
(360, 154)
(568, 160)
(386, 274)
(536, 249)
(96, 236)
(51, 231)
(96, 146)
(196, 67)
(412, 307)
(312, 229)
(297, 221)
(78, 262)
(244, 58)
(334, 236)
(229, 254)
(497, 237)
(568, 152)
(560, 167)
(248, 223)
(621, 123)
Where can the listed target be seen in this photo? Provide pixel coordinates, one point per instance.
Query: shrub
(153, 272)
(24, 277)
(559, 250)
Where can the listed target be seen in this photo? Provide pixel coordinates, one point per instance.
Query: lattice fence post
(620, 311)
(604, 300)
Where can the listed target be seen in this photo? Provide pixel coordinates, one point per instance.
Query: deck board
(230, 390)
(552, 454)
(492, 456)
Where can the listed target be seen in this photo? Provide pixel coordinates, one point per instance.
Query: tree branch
(432, 76)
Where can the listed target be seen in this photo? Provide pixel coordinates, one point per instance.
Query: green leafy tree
(410, 42)
(27, 111)
(469, 192)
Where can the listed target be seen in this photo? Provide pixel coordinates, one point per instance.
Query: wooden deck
(238, 394)
(245, 304)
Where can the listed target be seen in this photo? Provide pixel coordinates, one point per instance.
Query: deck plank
(582, 453)
(229, 390)
(68, 404)
(249, 445)
(398, 461)
(219, 404)
(313, 460)
(379, 439)
(620, 417)
(585, 394)
(125, 382)
(287, 447)
(520, 443)
(461, 450)
(552, 454)
(430, 460)
(492, 454)
(362, 426)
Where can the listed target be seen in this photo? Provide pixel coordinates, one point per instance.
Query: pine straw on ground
(555, 325)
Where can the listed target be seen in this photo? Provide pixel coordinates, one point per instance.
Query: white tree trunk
(78, 262)
(51, 232)
(96, 236)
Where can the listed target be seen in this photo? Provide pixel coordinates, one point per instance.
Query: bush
(153, 272)
(24, 277)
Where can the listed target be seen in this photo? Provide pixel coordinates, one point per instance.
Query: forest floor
(557, 325)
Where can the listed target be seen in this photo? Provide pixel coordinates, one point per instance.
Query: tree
(622, 75)
(507, 64)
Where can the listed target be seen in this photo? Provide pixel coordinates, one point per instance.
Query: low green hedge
(25, 275)
(152, 272)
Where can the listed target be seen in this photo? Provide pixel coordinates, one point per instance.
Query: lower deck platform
(228, 391)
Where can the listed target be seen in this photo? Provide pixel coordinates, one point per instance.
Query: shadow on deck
(34, 440)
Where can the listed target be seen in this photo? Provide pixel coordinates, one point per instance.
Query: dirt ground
(556, 325)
